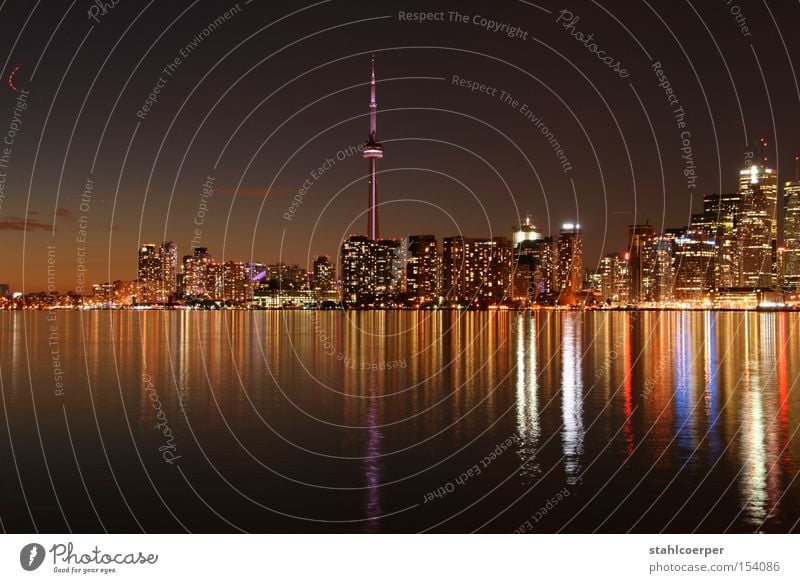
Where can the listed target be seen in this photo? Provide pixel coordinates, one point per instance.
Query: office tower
(286, 277)
(525, 232)
(521, 283)
(373, 151)
(296, 277)
(662, 276)
(640, 261)
(501, 270)
(156, 273)
(570, 262)
(719, 220)
(756, 226)
(357, 269)
(791, 235)
(169, 260)
(213, 285)
(453, 260)
(613, 276)
(466, 268)
(541, 256)
(423, 268)
(237, 283)
(323, 274)
(369, 269)
(387, 266)
(195, 272)
(695, 256)
(720, 213)
(103, 294)
(4, 290)
(150, 274)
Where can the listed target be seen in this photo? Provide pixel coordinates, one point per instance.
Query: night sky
(257, 104)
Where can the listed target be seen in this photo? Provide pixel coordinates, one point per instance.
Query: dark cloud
(24, 224)
(260, 192)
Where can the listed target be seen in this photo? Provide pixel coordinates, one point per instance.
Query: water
(399, 421)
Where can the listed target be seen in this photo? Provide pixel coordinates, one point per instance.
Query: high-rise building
(150, 274)
(369, 269)
(387, 259)
(640, 253)
(662, 275)
(237, 282)
(521, 283)
(467, 269)
(501, 270)
(719, 220)
(613, 277)
(721, 212)
(195, 272)
(323, 274)
(570, 262)
(695, 256)
(373, 151)
(156, 273)
(756, 226)
(214, 284)
(541, 256)
(103, 294)
(454, 251)
(525, 232)
(791, 235)
(423, 268)
(169, 260)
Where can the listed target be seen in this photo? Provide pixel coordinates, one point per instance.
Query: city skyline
(733, 243)
(425, 116)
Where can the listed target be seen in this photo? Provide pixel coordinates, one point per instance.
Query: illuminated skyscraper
(525, 232)
(169, 260)
(323, 274)
(719, 220)
(373, 151)
(791, 234)
(541, 257)
(423, 268)
(570, 262)
(613, 278)
(467, 269)
(695, 256)
(522, 283)
(640, 253)
(369, 269)
(150, 274)
(195, 272)
(501, 269)
(387, 259)
(237, 282)
(662, 275)
(757, 226)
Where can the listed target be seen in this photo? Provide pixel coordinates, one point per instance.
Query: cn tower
(373, 151)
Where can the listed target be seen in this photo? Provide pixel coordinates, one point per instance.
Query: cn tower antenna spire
(373, 106)
(373, 151)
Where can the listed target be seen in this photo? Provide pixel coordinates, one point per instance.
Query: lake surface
(294, 421)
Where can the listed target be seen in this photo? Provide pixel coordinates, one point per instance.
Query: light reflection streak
(753, 483)
(572, 396)
(528, 426)
(684, 420)
(711, 393)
